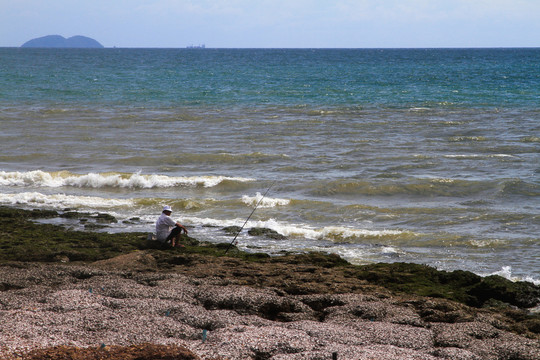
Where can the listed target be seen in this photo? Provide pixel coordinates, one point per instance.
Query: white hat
(167, 208)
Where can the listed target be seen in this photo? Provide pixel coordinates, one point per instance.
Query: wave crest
(102, 180)
(264, 202)
(61, 201)
(421, 187)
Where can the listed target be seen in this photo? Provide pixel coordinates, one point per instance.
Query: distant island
(57, 41)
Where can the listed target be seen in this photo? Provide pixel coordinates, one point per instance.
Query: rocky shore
(84, 295)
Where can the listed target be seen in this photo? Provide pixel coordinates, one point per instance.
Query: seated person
(167, 229)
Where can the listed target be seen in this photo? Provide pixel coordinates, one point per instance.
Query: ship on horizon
(201, 46)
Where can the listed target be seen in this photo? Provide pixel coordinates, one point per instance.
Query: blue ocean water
(419, 155)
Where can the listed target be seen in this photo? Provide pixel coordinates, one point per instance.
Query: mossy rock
(521, 294)
(314, 258)
(225, 246)
(422, 280)
(533, 325)
(269, 233)
(93, 226)
(132, 221)
(462, 286)
(232, 230)
(105, 218)
(73, 215)
(24, 240)
(188, 240)
(6, 212)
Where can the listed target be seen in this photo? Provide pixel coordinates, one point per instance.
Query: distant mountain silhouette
(57, 41)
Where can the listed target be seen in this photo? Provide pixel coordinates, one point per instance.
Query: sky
(277, 23)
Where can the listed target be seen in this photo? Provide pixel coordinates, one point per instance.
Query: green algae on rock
(22, 239)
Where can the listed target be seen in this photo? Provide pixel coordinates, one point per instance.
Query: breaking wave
(334, 234)
(264, 202)
(62, 201)
(506, 272)
(102, 180)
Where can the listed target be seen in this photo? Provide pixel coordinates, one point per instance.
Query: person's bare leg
(178, 241)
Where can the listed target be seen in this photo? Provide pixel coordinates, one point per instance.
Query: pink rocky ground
(47, 305)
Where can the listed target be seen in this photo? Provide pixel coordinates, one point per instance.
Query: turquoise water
(318, 78)
(425, 155)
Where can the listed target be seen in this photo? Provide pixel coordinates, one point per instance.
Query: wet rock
(269, 233)
(132, 221)
(105, 218)
(6, 212)
(521, 294)
(317, 259)
(93, 226)
(232, 230)
(73, 215)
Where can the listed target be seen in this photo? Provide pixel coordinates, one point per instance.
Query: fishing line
(255, 208)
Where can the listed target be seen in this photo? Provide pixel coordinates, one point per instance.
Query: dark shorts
(174, 232)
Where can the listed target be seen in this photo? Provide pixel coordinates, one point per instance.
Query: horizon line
(281, 48)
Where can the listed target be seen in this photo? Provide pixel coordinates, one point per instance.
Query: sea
(429, 156)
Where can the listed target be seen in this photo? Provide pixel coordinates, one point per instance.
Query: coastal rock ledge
(84, 295)
(57, 41)
(105, 311)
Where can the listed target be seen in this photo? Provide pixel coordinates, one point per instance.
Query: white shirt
(164, 225)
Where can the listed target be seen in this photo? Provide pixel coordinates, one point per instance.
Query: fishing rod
(255, 208)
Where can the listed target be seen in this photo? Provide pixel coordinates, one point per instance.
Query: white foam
(347, 234)
(331, 233)
(101, 180)
(475, 156)
(461, 156)
(389, 250)
(62, 201)
(487, 243)
(264, 202)
(531, 280)
(502, 155)
(443, 181)
(506, 272)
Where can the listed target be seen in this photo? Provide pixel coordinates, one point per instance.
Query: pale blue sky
(277, 23)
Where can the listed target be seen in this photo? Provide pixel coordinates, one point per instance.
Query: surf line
(255, 208)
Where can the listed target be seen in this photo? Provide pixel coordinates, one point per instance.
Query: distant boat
(202, 46)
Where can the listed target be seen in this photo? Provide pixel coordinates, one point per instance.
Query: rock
(269, 233)
(61, 258)
(73, 215)
(105, 218)
(522, 294)
(138, 260)
(103, 352)
(232, 230)
(56, 311)
(92, 226)
(188, 240)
